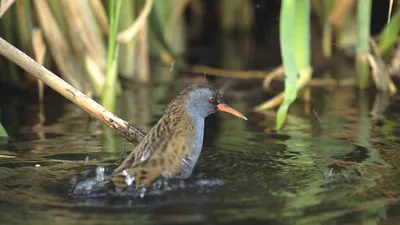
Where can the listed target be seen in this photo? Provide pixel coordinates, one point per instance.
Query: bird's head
(202, 100)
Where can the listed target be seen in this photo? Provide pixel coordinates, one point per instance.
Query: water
(332, 164)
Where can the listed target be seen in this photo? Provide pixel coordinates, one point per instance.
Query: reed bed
(90, 43)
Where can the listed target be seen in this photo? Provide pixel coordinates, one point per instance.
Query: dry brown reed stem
(307, 98)
(381, 79)
(276, 74)
(39, 50)
(84, 30)
(96, 75)
(390, 11)
(143, 60)
(100, 14)
(238, 74)
(380, 72)
(278, 71)
(59, 48)
(374, 71)
(394, 65)
(339, 14)
(304, 79)
(323, 82)
(129, 33)
(87, 41)
(125, 129)
(24, 28)
(175, 14)
(271, 103)
(4, 5)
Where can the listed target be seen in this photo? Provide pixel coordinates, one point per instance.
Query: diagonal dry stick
(130, 132)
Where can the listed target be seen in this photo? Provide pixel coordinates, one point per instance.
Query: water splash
(86, 160)
(100, 176)
(143, 193)
(89, 182)
(128, 177)
(94, 183)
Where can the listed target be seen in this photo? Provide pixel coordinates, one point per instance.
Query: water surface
(333, 163)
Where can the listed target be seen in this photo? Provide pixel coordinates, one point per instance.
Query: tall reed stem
(363, 48)
(109, 90)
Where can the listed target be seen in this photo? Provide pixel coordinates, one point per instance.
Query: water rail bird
(173, 145)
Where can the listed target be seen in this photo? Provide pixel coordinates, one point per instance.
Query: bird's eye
(212, 99)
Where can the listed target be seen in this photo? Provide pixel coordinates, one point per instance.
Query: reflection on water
(330, 165)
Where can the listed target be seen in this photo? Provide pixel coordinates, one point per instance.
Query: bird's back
(162, 152)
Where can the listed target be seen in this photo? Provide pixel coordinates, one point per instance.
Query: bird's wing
(159, 155)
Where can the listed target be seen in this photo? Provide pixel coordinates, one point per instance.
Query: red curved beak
(226, 108)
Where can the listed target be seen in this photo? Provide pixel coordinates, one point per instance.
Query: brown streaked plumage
(172, 146)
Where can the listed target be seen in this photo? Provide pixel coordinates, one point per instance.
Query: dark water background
(334, 162)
